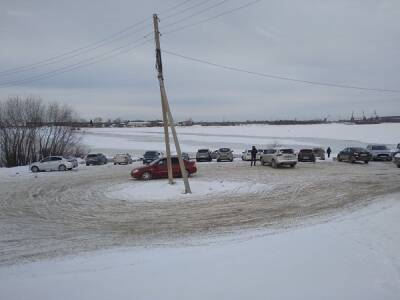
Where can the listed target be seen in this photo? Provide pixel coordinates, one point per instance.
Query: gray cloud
(344, 42)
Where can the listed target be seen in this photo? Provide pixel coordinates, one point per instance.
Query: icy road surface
(54, 214)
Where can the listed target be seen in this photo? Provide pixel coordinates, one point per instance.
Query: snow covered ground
(156, 191)
(239, 138)
(353, 256)
(304, 233)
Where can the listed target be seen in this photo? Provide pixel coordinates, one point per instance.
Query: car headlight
(136, 171)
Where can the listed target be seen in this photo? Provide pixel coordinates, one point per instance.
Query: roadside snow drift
(161, 190)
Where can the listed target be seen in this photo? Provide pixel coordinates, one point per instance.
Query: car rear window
(380, 147)
(203, 151)
(92, 155)
(151, 153)
(358, 149)
(306, 151)
(224, 150)
(287, 151)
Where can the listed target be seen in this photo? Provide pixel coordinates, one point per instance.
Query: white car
(51, 163)
(278, 157)
(246, 155)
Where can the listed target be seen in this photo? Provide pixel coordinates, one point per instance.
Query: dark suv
(306, 155)
(96, 159)
(354, 154)
(150, 156)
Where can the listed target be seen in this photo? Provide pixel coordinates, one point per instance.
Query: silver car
(279, 157)
(380, 152)
(225, 154)
(122, 159)
(51, 163)
(203, 155)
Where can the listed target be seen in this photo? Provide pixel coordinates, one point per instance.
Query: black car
(150, 156)
(306, 155)
(96, 159)
(353, 154)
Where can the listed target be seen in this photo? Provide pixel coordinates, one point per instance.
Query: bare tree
(30, 130)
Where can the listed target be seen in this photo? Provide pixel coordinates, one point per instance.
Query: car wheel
(352, 160)
(35, 169)
(231, 160)
(218, 160)
(146, 176)
(115, 164)
(398, 166)
(262, 162)
(339, 158)
(273, 164)
(292, 165)
(366, 161)
(62, 168)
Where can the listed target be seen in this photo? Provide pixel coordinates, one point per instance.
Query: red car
(158, 169)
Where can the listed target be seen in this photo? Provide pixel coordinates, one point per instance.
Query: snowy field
(327, 230)
(239, 138)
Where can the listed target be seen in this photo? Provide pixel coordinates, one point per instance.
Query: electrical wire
(196, 14)
(236, 69)
(214, 17)
(78, 65)
(87, 48)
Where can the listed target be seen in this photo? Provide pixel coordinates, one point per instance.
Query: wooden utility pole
(167, 115)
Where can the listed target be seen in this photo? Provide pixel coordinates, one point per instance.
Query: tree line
(31, 130)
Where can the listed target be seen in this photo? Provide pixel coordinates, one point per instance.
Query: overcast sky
(340, 41)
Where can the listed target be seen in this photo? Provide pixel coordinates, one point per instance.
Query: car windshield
(92, 155)
(224, 150)
(203, 151)
(150, 154)
(287, 151)
(379, 147)
(358, 149)
(306, 151)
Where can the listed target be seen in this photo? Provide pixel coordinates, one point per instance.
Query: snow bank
(354, 257)
(161, 190)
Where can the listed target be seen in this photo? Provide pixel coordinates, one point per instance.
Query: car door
(45, 164)
(346, 154)
(55, 163)
(161, 169)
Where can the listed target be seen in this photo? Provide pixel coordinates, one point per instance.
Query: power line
(89, 47)
(196, 14)
(212, 18)
(230, 68)
(185, 10)
(78, 65)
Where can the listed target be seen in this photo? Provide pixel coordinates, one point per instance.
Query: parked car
(225, 154)
(306, 155)
(150, 156)
(125, 159)
(278, 157)
(203, 155)
(185, 156)
(246, 155)
(158, 169)
(396, 160)
(319, 153)
(51, 163)
(353, 154)
(380, 152)
(259, 152)
(72, 160)
(96, 159)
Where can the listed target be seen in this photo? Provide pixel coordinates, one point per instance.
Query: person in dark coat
(253, 155)
(328, 151)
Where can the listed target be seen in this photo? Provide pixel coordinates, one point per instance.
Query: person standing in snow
(253, 155)
(328, 151)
